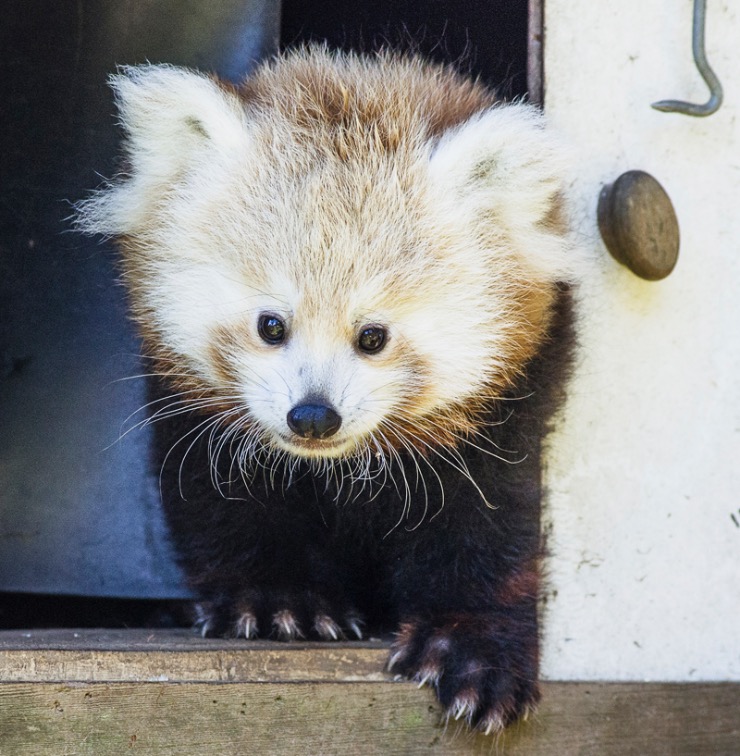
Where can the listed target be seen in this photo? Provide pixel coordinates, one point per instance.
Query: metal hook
(700, 58)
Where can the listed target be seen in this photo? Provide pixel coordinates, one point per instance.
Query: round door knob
(638, 225)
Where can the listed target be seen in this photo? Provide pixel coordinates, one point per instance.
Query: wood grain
(234, 697)
(181, 656)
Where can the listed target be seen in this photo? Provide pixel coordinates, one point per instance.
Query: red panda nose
(314, 421)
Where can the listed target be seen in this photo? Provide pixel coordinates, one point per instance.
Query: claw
(246, 626)
(464, 707)
(427, 676)
(353, 623)
(286, 625)
(202, 619)
(527, 711)
(494, 722)
(327, 628)
(395, 658)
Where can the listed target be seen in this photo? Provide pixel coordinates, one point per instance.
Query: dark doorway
(486, 37)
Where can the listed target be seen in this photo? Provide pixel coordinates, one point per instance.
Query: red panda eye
(271, 329)
(372, 339)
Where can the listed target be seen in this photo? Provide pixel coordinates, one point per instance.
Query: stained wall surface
(644, 470)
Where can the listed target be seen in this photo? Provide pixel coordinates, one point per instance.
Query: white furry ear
(173, 119)
(502, 172)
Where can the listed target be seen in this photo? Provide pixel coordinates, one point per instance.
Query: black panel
(78, 507)
(487, 37)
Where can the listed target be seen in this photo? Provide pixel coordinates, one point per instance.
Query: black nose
(314, 420)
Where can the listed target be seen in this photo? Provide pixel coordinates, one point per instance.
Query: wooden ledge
(172, 693)
(178, 656)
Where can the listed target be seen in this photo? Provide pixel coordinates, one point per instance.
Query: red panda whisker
(419, 477)
(148, 406)
(467, 442)
(381, 468)
(473, 430)
(456, 463)
(173, 409)
(144, 376)
(216, 447)
(211, 429)
(431, 426)
(363, 472)
(260, 451)
(407, 491)
(413, 453)
(197, 431)
(377, 458)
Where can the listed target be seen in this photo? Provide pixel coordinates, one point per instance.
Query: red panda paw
(285, 615)
(483, 667)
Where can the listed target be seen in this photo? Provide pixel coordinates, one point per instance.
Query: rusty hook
(700, 58)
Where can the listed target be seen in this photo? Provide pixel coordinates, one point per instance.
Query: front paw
(279, 614)
(482, 666)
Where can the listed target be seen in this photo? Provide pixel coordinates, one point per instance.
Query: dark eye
(372, 339)
(271, 329)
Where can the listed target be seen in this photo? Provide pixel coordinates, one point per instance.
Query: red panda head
(345, 255)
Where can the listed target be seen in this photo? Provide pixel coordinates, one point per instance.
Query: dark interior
(485, 37)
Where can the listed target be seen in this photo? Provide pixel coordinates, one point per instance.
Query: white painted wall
(645, 471)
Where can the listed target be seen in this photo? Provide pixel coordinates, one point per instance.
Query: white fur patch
(195, 299)
(501, 171)
(173, 118)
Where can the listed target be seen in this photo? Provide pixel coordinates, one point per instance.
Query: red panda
(353, 278)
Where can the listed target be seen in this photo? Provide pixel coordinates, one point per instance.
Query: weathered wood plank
(181, 656)
(103, 692)
(97, 719)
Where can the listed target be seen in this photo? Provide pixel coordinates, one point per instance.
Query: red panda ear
(501, 173)
(164, 108)
(173, 119)
(503, 160)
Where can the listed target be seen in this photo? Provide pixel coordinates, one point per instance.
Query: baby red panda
(353, 278)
